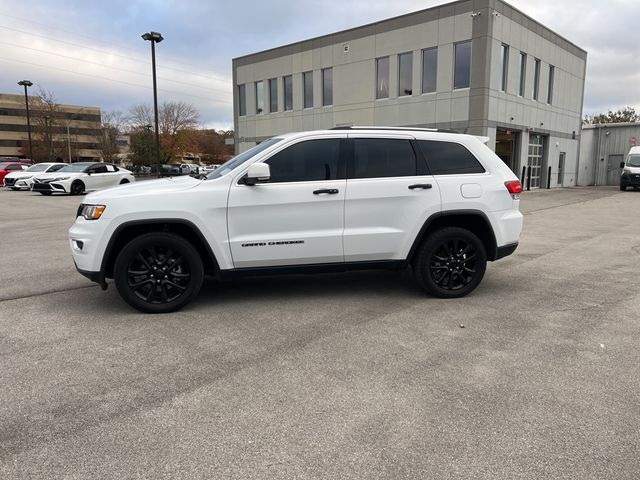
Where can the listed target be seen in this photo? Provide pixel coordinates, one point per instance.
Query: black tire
(123, 181)
(77, 188)
(15, 189)
(144, 258)
(450, 263)
(45, 193)
(623, 187)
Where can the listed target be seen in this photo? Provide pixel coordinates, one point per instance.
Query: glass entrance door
(534, 160)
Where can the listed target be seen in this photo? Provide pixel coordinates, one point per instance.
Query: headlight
(91, 212)
(60, 179)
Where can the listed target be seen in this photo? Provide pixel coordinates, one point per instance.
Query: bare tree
(112, 125)
(177, 120)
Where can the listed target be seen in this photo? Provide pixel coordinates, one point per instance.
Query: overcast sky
(91, 53)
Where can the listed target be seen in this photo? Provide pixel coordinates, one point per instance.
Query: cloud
(91, 52)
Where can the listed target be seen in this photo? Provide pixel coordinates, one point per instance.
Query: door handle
(420, 186)
(330, 191)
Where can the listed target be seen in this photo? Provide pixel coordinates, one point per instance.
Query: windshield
(38, 167)
(240, 159)
(75, 167)
(3, 166)
(633, 161)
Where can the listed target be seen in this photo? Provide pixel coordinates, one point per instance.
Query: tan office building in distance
(475, 66)
(70, 128)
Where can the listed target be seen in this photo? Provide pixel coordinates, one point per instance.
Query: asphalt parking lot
(355, 375)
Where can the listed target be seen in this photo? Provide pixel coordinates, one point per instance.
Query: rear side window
(382, 157)
(312, 160)
(448, 158)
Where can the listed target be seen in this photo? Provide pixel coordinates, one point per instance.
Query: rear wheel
(158, 272)
(450, 263)
(123, 181)
(77, 187)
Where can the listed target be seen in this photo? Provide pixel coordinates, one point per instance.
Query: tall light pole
(25, 84)
(47, 122)
(154, 37)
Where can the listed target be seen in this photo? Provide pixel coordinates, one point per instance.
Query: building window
(536, 79)
(307, 80)
(287, 84)
(429, 70)
(327, 86)
(242, 101)
(462, 65)
(259, 96)
(405, 74)
(505, 67)
(382, 77)
(552, 72)
(273, 95)
(523, 73)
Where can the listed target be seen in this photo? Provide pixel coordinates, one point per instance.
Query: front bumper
(9, 182)
(48, 187)
(630, 179)
(96, 277)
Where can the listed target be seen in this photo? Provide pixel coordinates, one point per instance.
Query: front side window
(448, 158)
(242, 100)
(287, 83)
(382, 157)
(259, 96)
(313, 160)
(273, 95)
(307, 79)
(382, 77)
(429, 70)
(505, 67)
(327, 86)
(241, 158)
(462, 65)
(405, 74)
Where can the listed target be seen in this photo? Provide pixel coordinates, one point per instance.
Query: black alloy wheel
(158, 272)
(123, 181)
(623, 187)
(45, 193)
(77, 187)
(451, 263)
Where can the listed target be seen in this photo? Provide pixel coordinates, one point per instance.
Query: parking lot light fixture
(154, 37)
(25, 84)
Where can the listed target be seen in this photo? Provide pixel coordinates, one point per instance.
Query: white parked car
(24, 180)
(442, 204)
(77, 178)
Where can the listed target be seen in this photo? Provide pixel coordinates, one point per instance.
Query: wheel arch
(475, 221)
(129, 230)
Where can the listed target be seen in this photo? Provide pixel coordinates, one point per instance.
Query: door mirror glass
(621, 164)
(258, 172)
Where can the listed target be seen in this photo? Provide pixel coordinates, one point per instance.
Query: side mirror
(258, 172)
(621, 164)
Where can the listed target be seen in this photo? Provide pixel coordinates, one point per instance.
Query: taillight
(514, 187)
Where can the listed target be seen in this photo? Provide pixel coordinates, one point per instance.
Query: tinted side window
(382, 157)
(55, 168)
(312, 160)
(447, 158)
(99, 169)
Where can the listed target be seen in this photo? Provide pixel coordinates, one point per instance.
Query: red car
(10, 167)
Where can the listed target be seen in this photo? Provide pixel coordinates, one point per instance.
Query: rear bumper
(506, 250)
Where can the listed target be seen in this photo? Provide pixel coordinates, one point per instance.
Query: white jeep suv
(440, 203)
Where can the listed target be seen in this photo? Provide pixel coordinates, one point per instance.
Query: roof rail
(347, 127)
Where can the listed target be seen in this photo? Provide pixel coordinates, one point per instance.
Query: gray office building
(475, 66)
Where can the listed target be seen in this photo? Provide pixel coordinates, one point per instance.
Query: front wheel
(158, 272)
(15, 189)
(124, 181)
(77, 188)
(450, 263)
(623, 187)
(45, 193)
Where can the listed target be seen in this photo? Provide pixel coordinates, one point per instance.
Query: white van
(631, 170)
